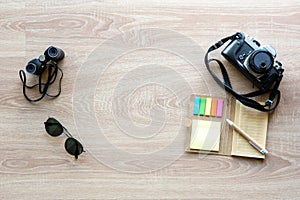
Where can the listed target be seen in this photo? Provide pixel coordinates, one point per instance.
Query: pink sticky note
(220, 108)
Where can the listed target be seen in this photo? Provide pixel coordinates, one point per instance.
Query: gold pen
(251, 141)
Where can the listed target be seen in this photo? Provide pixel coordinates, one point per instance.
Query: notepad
(205, 135)
(211, 134)
(255, 124)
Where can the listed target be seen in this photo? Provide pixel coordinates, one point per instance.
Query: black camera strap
(52, 70)
(274, 97)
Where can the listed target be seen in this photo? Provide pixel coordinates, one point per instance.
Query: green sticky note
(202, 106)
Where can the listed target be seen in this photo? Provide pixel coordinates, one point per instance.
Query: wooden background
(36, 166)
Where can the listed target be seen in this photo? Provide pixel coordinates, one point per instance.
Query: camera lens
(31, 68)
(261, 61)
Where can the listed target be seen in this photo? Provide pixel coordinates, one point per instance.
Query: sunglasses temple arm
(76, 152)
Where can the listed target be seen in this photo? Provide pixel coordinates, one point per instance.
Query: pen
(247, 137)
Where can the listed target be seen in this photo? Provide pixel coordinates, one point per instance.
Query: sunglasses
(54, 128)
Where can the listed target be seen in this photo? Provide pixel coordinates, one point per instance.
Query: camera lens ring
(261, 61)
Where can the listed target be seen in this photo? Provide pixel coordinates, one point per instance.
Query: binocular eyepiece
(36, 66)
(54, 53)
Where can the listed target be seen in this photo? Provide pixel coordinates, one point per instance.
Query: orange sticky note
(214, 106)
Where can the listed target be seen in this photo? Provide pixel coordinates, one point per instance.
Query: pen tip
(229, 122)
(264, 151)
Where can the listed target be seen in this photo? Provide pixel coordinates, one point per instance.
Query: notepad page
(253, 122)
(205, 135)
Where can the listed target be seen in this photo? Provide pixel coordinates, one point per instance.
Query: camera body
(256, 62)
(36, 66)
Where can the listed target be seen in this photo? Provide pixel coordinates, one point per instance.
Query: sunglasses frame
(70, 138)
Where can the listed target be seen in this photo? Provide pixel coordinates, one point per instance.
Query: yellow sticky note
(205, 135)
(208, 106)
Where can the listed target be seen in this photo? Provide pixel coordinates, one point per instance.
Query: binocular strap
(52, 70)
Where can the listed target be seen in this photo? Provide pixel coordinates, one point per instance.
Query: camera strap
(274, 97)
(52, 70)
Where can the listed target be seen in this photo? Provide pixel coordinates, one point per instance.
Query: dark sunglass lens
(53, 127)
(73, 147)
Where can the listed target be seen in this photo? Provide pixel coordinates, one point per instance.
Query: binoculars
(37, 65)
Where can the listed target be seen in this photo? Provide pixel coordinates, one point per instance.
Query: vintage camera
(256, 62)
(36, 66)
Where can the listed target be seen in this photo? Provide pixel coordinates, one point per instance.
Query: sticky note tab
(202, 106)
(214, 106)
(208, 106)
(220, 108)
(205, 135)
(196, 105)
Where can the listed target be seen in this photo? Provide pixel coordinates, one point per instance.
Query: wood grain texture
(35, 166)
